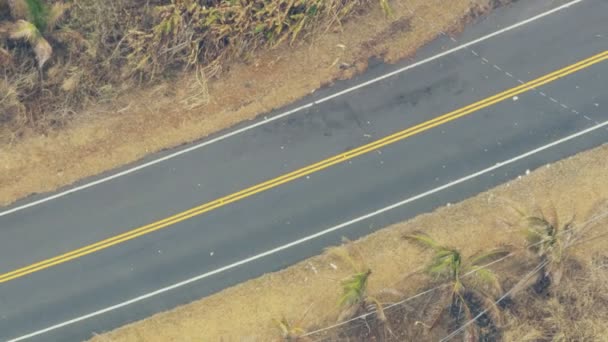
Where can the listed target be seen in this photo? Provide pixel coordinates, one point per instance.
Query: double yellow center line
(272, 183)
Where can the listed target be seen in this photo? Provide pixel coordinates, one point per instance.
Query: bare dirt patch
(573, 186)
(171, 114)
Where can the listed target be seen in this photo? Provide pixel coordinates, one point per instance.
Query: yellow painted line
(272, 183)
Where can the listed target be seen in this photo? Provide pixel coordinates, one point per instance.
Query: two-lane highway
(268, 196)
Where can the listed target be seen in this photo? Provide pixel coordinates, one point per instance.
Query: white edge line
(282, 115)
(313, 236)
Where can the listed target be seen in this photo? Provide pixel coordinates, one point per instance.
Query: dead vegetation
(519, 217)
(88, 51)
(125, 118)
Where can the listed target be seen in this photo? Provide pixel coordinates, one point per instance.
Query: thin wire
(363, 316)
(507, 294)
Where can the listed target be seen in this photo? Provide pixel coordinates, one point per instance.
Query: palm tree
(355, 299)
(354, 294)
(34, 22)
(290, 331)
(551, 241)
(548, 240)
(459, 295)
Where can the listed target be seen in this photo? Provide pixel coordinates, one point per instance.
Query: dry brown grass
(577, 312)
(96, 49)
(170, 114)
(246, 311)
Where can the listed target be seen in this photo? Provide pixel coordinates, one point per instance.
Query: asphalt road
(326, 198)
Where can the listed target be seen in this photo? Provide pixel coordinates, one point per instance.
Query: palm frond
(23, 29)
(533, 237)
(43, 51)
(488, 278)
(355, 253)
(446, 252)
(288, 331)
(424, 241)
(283, 325)
(29, 32)
(487, 257)
(458, 287)
(538, 222)
(540, 234)
(348, 313)
(379, 309)
(443, 262)
(354, 288)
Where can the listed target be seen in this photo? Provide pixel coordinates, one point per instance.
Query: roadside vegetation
(526, 261)
(57, 56)
(99, 84)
